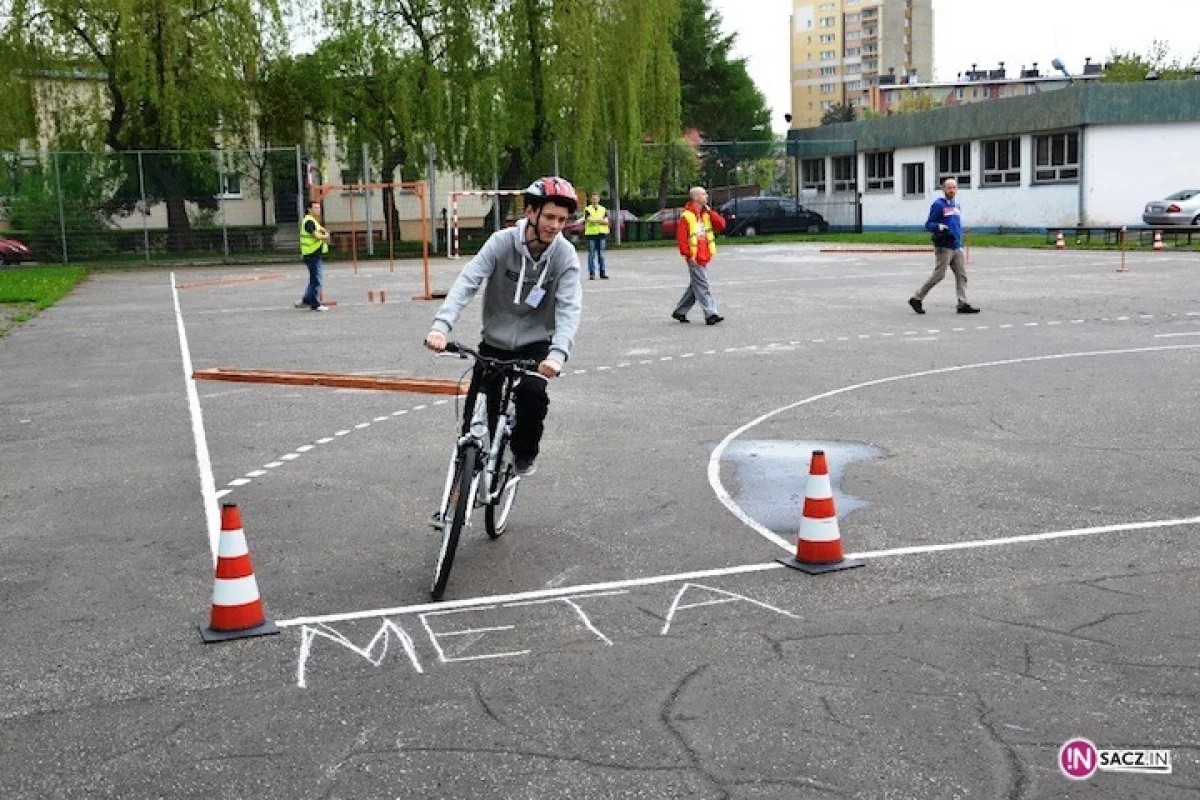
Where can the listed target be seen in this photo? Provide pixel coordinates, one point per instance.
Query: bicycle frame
(487, 484)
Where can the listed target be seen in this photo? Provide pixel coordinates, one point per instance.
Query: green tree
(838, 112)
(173, 75)
(718, 96)
(1130, 67)
(914, 101)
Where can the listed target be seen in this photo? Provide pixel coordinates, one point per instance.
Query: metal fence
(664, 172)
(141, 206)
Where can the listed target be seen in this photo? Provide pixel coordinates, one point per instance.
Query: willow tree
(579, 75)
(172, 75)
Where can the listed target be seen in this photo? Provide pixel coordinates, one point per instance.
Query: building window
(826, 88)
(958, 93)
(231, 185)
(879, 172)
(825, 71)
(954, 161)
(853, 17)
(828, 55)
(1002, 162)
(853, 69)
(844, 178)
(828, 22)
(1056, 158)
(812, 171)
(828, 38)
(914, 180)
(851, 52)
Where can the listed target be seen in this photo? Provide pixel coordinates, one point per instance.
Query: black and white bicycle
(482, 471)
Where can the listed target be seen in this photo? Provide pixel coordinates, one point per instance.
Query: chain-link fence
(143, 206)
(732, 172)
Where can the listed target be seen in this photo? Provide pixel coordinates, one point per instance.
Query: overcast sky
(982, 32)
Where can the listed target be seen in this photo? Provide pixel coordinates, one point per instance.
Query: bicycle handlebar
(523, 364)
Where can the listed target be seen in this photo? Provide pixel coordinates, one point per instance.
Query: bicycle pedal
(435, 521)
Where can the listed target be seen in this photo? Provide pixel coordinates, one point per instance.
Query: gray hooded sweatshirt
(509, 322)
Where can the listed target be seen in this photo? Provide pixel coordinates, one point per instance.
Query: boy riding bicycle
(531, 309)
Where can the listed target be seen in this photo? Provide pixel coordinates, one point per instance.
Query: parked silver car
(1181, 208)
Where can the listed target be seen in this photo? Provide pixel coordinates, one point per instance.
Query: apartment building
(842, 49)
(976, 86)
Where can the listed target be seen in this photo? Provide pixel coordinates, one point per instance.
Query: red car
(573, 230)
(13, 252)
(668, 219)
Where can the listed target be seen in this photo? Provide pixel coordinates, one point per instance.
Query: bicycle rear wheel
(461, 500)
(495, 515)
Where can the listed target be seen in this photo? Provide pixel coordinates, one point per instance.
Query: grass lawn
(24, 291)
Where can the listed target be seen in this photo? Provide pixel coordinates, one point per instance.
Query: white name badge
(534, 298)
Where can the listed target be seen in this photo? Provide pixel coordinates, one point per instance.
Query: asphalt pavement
(1021, 484)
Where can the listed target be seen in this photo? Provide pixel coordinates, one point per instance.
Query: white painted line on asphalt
(585, 589)
(1173, 335)
(714, 460)
(208, 484)
(617, 587)
(1029, 537)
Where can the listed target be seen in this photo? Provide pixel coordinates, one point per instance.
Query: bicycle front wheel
(495, 516)
(457, 509)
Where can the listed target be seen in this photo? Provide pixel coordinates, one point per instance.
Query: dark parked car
(751, 216)
(13, 252)
(574, 229)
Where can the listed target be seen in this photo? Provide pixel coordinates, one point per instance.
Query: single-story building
(1091, 155)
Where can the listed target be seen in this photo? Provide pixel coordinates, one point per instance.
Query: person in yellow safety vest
(696, 237)
(595, 228)
(314, 243)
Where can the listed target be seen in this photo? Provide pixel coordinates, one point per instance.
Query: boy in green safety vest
(595, 228)
(314, 243)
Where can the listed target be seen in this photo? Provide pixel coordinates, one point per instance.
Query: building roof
(1089, 104)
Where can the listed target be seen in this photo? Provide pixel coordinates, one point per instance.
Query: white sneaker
(321, 308)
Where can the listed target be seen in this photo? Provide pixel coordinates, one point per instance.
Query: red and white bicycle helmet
(552, 188)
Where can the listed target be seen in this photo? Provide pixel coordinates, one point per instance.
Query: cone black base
(266, 629)
(817, 569)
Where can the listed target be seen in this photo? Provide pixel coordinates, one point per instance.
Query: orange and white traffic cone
(819, 545)
(1060, 243)
(1158, 245)
(237, 610)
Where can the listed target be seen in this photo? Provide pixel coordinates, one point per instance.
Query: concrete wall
(1126, 166)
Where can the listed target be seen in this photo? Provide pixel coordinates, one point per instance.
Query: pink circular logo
(1078, 759)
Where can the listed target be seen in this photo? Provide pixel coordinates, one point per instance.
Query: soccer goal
(360, 216)
(455, 197)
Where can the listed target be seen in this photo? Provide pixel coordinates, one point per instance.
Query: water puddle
(772, 475)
